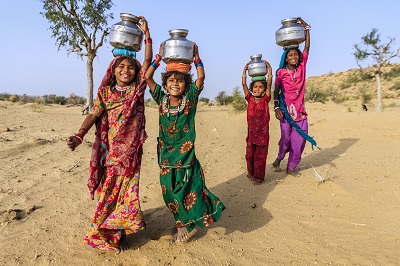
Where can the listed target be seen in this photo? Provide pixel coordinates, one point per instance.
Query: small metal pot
(127, 34)
(290, 33)
(257, 66)
(177, 48)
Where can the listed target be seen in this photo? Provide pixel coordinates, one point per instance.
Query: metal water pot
(290, 33)
(177, 48)
(127, 34)
(257, 66)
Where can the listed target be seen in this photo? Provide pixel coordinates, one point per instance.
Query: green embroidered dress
(181, 175)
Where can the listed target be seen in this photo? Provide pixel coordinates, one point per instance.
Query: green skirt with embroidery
(187, 197)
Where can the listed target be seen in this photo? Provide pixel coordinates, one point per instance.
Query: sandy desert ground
(351, 219)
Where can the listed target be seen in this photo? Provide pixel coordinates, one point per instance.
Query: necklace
(166, 107)
(294, 74)
(118, 88)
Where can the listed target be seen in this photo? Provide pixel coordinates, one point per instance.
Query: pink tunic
(293, 86)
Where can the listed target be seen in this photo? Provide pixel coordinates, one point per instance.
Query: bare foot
(257, 181)
(182, 235)
(123, 244)
(292, 173)
(276, 165)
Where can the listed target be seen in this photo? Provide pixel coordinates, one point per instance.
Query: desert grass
(321, 177)
(37, 108)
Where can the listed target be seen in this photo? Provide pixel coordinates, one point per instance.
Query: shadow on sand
(326, 156)
(243, 201)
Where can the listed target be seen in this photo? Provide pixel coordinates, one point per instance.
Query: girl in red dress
(257, 97)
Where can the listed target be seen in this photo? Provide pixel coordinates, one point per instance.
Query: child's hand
(73, 142)
(269, 67)
(159, 55)
(144, 26)
(246, 67)
(195, 50)
(302, 22)
(278, 114)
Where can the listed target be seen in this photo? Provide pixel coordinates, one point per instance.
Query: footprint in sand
(15, 214)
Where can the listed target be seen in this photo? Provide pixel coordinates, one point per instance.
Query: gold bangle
(244, 76)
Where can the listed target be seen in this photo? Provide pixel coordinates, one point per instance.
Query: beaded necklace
(122, 90)
(294, 74)
(293, 78)
(175, 111)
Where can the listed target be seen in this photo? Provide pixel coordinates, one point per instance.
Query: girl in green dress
(181, 175)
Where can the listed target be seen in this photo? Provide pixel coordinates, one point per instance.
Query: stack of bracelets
(197, 62)
(79, 135)
(156, 62)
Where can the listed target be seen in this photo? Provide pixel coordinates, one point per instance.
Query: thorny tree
(77, 25)
(381, 53)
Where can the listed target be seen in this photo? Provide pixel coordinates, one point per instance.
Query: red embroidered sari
(115, 163)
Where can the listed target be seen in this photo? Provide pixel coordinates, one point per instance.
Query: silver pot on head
(127, 34)
(257, 66)
(290, 34)
(177, 48)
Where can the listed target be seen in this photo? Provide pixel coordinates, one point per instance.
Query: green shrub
(204, 100)
(149, 102)
(339, 98)
(394, 72)
(365, 96)
(315, 95)
(350, 80)
(366, 76)
(13, 98)
(39, 100)
(75, 99)
(395, 87)
(223, 99)
(37, 108)
(4, 96)
(239, 104)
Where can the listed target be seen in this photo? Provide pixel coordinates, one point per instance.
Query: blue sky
(227, 33)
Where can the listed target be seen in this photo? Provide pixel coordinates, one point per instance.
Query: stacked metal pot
(290, 33)
(127, 34)
(177, 49)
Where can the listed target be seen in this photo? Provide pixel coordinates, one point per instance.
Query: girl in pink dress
(289, 105)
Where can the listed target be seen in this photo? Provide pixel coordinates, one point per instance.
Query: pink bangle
(197, 60)
(148, 40)
(79, 136)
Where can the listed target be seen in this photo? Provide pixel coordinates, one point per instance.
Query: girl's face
(292, 58)
(175, 87)
(258, 89)
(124, 73)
